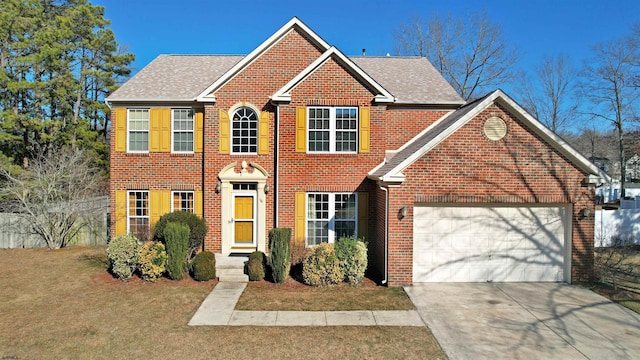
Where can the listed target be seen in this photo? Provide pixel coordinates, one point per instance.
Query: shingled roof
(411, 80)
(174, 78)
(391, 169)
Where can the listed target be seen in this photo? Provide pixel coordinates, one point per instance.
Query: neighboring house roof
(391, 170)
(174, 78)
(403, 80)
(412, 80)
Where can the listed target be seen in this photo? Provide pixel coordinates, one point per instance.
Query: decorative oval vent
(495, 128)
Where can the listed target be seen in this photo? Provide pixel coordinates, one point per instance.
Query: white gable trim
(206, 95)
(284, 93)
(498, 96)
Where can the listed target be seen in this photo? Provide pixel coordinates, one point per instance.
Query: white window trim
(193, 131)
(332, 129)
(148, 131)
(231, 113)
(185, 192)
(148, 217)
(332, 214)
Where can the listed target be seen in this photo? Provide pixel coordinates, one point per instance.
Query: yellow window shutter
(154, 130)
(159, 204)
(225, 132)
(121, 129)
(199, 132)
(363, 214)
(121, 212)
(301, 129)
(263, 133)
(159, 130)
(300, 218)
(165, 130)
(365, 129)
(197, 203)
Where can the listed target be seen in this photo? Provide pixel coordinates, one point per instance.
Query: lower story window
(330, 216)
(182, 201)
(138, 214)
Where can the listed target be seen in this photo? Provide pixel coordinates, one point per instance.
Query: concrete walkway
(218, 309)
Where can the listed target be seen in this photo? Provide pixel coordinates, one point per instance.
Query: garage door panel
(471, 244)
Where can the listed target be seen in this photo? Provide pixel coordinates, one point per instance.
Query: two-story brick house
(296, 134)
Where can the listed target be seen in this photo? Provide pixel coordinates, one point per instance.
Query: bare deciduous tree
(470, 53)
(54, 194)
(549, 93)
(610, 86)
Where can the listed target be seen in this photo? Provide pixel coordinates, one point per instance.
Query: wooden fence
(15, 230)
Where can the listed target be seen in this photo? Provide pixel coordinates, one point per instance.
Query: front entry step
(231, 268)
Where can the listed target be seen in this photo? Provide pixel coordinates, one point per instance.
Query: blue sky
(535, 27)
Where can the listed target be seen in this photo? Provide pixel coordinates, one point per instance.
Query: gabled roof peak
(284, 93)
(294, 23)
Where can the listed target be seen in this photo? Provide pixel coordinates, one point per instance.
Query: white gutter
(277, 165)
(386, 234)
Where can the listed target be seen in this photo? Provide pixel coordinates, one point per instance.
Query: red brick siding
(467, 167)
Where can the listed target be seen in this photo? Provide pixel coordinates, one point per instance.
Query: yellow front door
(243, 220)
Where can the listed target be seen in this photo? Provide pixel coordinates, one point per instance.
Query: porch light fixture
(402, 213)
(218, 187)
(585, 213)
(267, 188)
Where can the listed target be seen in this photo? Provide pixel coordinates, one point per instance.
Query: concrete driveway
(526, 321)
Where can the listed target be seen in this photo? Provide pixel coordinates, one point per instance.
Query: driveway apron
(526, 321)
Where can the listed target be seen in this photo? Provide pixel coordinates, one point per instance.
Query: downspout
(386, 234)
(276, 164)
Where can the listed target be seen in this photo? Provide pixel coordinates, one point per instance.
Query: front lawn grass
(63, 304)
(293, 295)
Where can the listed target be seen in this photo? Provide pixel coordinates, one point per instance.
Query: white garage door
(478, 244)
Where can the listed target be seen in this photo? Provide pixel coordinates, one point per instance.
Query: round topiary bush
(321, 266)
(256, 266)
(122, 252)
(203, 266)
(197, 227)
(152, 259)
(352, 254)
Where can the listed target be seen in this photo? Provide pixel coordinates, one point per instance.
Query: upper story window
(332, 129)
(244, 131)
(138, 130)
(182, 126)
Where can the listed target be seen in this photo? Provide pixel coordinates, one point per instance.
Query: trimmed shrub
(203, 266)
(123, 255)
(352, 254)
(256, 266)
(197, 228)
(176, 238)
(152, 260)
(280, 253)
(321, 266)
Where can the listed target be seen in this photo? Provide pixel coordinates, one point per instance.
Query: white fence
(617, 224)
(15, 230)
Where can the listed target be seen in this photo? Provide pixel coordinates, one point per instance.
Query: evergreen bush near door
(197, 229)
(203, 266)
(176, 237)
(256, 266)
(280, 253)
